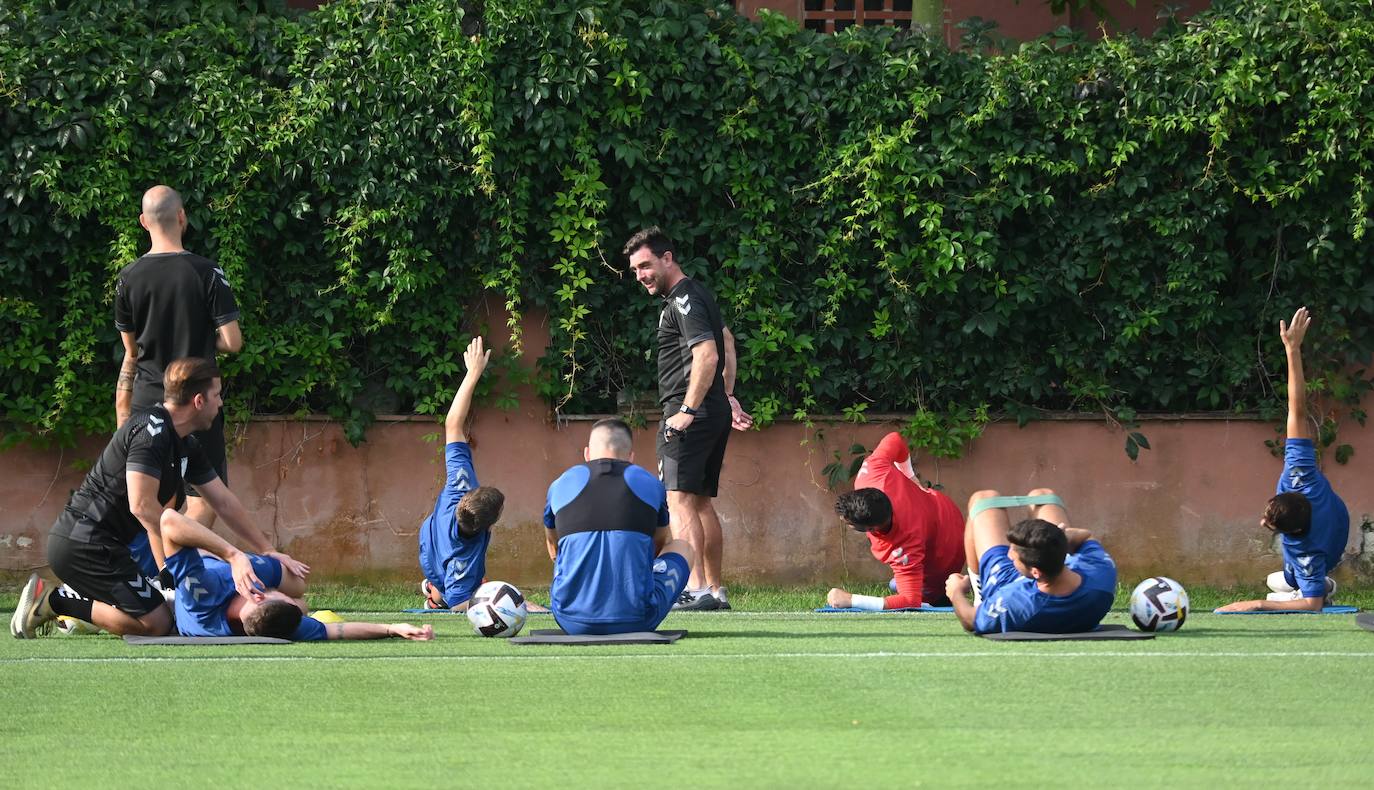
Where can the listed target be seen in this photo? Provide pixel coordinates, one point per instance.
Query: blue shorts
(995, 569)
(670, 579)
(268, 569)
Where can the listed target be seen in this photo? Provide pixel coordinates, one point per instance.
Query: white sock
(977, 588)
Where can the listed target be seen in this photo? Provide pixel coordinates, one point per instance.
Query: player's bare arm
(475, 358)
(740, 419)
(124, 385)
(957, 587)
(704, 359)
(380, 631)
(229, 338)
(1300, 605)
(145, 507)
(182, 532)
(1292, 335)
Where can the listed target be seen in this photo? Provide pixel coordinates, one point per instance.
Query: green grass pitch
(751, 698)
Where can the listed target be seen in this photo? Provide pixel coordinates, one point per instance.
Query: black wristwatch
(688, 410)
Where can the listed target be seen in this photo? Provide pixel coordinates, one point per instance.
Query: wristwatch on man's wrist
(688, 410)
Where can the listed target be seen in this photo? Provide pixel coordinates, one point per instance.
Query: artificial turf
(750, 698)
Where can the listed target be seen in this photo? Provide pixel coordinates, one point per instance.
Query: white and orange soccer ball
(497, 609)
(1159, 604)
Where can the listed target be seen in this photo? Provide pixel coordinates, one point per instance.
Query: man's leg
(713, 544)
(110, 589)
(982, 532)
(1055, 514)
(685, 519)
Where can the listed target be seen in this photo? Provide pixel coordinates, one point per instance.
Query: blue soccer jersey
(451, 562)
(1307, 559)
(605, 513)
(205, 588)
(1012, 602)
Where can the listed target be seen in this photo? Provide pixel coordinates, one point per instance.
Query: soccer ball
(497, 609)
(1159, 604)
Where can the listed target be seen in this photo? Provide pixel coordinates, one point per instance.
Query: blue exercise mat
(1325, 610)
(922, 608)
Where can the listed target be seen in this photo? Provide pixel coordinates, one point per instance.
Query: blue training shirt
(205, 587)
(1018, 605)
(605, 513)
(1308, 559)
(451, 562)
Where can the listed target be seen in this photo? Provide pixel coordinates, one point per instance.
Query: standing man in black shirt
(696, 380)
(137, 480)
(171, 304)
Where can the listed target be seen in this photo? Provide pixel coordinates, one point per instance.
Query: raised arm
(476, 360)
(1292, 336)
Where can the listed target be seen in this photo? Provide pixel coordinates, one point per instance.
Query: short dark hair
(1040, 544)
(652, 237)
(479, 509)
(273, 618)
(621, 438)
(865, 509)
(188, 377)
(1288, 514)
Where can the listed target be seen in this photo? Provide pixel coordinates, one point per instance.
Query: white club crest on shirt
(682, 304)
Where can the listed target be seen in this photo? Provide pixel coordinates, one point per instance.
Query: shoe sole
(33, 590)
(694, 607)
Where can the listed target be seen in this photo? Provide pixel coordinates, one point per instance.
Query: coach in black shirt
(696, 379)
(136, 480)
(171, 304)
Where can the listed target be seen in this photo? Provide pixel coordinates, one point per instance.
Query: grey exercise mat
(1103, 632)
(204, 640)
(555, 636)
(1365, 621)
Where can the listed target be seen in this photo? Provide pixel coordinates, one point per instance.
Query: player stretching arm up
(1313, 523)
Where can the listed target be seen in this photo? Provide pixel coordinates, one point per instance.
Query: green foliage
(888, 225)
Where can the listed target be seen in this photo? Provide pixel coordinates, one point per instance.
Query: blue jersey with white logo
(1012, 602)
(451, 562)
(1309, 558)
(205, 588)
(605, 513)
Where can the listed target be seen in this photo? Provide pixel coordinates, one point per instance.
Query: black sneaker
(722, 600)
(694, 602)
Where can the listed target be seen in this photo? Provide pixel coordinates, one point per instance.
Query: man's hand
(411, 632)
(245, 580)
(296, 567)
(839, 598)
(1243, 606)
(1292, 334)
(957, 586)
(475, 358)
(677, 423)
(740, 419)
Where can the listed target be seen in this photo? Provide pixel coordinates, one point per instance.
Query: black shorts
(212, 444)
(103, 571)
(690, 462)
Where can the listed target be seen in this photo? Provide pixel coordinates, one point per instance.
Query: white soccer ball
(497, 609)
(1159, 604)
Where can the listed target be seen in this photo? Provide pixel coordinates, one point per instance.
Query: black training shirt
(689, 316)
(146, 443)
(172, 302)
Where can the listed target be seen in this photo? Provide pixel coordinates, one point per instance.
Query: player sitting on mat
(918, 531)
(1041, 575)
(454, 539)
(1311, 519)
(606, 520)
(238, 594)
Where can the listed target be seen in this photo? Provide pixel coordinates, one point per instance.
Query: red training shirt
(926, 542)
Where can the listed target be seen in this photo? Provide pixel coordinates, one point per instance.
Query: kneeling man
(918, 531)
(1041, 575)
(238, 594)
(615, 570)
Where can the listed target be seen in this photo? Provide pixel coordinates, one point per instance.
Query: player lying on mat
(615, 570)
(454, 539)
(918, 531)
(1041, 575)
(236, 594)
(1312, 521)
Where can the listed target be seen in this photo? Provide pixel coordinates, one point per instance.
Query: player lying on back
(454, 539)
(1041, 575)
(236, 594)
(1312, 521)
(918, 531)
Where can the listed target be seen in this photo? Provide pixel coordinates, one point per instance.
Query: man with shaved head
(615, 569)
(170, 304)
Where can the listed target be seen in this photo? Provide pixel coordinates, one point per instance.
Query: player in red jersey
(917, 530)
